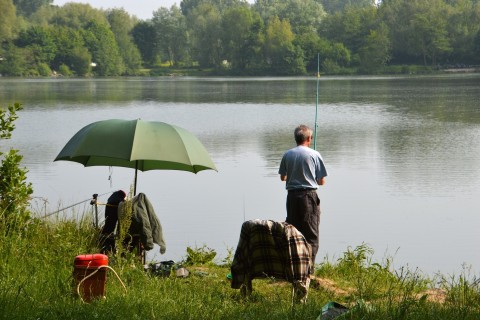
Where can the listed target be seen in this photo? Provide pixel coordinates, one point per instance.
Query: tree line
(235, 37)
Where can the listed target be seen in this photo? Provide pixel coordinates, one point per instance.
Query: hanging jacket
(145, 223)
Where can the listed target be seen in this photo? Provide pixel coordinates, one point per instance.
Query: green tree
(281, 56)
(221, 5)
(351, 27)
(8, 18)
(71, 51)
(429, 33)
(316, 48)
(242, 38)
(28, 7)
(334, 6)
(121, 25)
(303, 15)
(418, 28)
(15, 191)
(143, 33)
(77, 16)
(43, 16)
(13, 62)
(40, 42)
(171, 34)
(462, 27)
(204, 26)
(476, 47)
(376, 50)
(101, 43)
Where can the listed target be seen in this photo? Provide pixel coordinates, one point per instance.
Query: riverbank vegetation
(36, 274)
(215, 37)
(36, 283)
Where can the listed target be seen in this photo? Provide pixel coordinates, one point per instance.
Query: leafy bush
(199, 256)
(44, 70)
(14, 190)
(64, 70)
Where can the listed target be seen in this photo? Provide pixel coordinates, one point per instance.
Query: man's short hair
(302, 133)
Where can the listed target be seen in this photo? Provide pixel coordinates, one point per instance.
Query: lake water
(402, 153)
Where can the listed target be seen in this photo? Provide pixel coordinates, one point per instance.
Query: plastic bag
(332, 310)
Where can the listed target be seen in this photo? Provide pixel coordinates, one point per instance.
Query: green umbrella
(143, 145)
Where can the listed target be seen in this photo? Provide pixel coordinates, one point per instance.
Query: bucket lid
(91, 260)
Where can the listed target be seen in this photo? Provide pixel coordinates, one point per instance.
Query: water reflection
(402, 155)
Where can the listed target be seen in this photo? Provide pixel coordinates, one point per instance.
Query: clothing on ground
(269, 248)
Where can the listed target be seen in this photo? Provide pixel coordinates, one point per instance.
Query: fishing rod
(75, 204)
(316, 104)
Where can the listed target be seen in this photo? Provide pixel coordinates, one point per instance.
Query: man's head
(303, 134)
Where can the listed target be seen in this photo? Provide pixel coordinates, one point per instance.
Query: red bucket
(89, 272)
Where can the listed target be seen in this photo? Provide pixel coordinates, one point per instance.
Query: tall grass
(36, 266)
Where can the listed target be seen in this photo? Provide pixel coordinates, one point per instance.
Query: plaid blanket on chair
(269, 248)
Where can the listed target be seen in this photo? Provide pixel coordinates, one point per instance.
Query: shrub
(44, 70)
(64, 70)
(14, 190)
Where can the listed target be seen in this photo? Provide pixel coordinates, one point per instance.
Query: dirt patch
(434, 295)
(330, 286)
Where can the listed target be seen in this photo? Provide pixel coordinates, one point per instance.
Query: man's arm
(321, 181)
(283, 178)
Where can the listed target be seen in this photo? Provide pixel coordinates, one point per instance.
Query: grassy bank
(36, 283)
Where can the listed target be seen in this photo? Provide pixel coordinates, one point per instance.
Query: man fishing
(303, 170)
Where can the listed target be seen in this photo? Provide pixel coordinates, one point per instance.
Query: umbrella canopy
(143, 145)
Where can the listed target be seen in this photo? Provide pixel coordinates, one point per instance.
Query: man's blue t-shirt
(303, 166)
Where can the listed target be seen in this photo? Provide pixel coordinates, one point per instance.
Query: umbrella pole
(135, 182)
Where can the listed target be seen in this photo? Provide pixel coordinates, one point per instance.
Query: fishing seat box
(88, 268)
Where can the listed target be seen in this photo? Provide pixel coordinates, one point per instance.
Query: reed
(36, 268)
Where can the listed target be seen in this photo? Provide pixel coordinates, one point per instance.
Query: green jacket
(146, 224)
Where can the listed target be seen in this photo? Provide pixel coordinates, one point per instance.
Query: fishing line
(316, 104)
(244, 207)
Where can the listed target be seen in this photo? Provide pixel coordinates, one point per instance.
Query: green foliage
(375, 52)
(14, 190)
(40, 41)
(199, 256)
(14, 61)
(36, 283)
(71, 51)
(143, 33)
(44, 70)
(204, 22)
(121, 25)
(372, 280)
(242, 38)
(101, 42)
(7, 19)
(282, 57)
(235, 37)
(170, 30)
(77, 16)
(332, 6)
(64, 70)
(7, 119)
(28, 7)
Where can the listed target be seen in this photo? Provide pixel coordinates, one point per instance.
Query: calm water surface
(402, 154)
